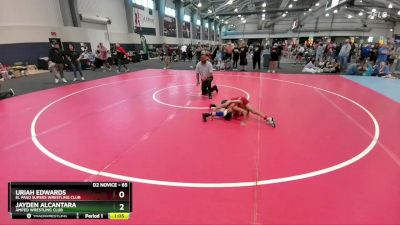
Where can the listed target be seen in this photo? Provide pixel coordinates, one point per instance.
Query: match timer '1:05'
(70, 200)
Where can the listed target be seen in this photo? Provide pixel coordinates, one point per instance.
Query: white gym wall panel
(114, 9)
(30, 13)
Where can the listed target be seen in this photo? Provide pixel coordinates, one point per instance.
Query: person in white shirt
(183, 52)
(319, 56)
(310, 67)
(344, 54)
(204, 71)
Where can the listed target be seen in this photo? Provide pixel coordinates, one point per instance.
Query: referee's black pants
(206, 88)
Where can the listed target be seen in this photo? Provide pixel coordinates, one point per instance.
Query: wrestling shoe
(216, 89)
(213, 106)
(12, 93)
(270, 120)
(205, 116)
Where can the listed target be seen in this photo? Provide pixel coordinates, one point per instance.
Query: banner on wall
(198, 32)
(144, 21)
(186, 30)
(169, 26)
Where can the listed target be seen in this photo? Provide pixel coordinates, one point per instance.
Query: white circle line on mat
(64, 162)
(191, 107)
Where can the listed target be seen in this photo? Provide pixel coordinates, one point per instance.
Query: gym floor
(334, 157)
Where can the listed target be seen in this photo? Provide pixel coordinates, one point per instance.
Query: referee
(204, 71)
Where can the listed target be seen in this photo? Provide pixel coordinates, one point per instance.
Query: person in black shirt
(257, 56)
(74, 60)
(235, 57)
(273, 61)
(242, 55)
(56, 62)
(190, 52)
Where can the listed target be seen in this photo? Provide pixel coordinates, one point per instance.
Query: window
(206, 25)
(145, 3)
(169, 11)
(186, 18)
(151, 4)
(198, 22)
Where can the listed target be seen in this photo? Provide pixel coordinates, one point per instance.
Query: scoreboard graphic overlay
(70, 200)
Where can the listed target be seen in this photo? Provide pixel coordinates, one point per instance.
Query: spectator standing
(383, 53)
(74, 60)
(257, 56)
(235, 57)
(184, 52)
(344, 54)
(273, 61)
(243, 56)
(320, 53)
(56, 62)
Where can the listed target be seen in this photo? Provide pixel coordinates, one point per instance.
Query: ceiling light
(239, 15)
(349, 16)
(360, 13)
(372, 17)
(327, 14)
(295, 0)
(217, 17)
(398, 13)
(391, 29)
(310, 9)
(290, 6)
(263, 10)
(317, 4)
(390, 6)
(360, 1)
(335, 11)
(236, 10)
(209, 11)
(263, 18)
(229, 2)
(242, 18)
(244, 21)
(263, 14)
(264, 5)
(284, 14)
(199, 5)
(305, 13)
(226, 22)
(373, 10)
